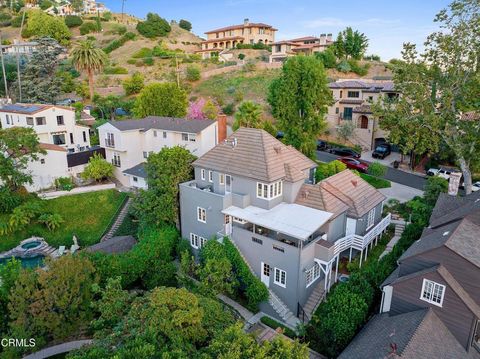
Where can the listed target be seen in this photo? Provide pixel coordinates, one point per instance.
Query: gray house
(291, 231)
(438, 274)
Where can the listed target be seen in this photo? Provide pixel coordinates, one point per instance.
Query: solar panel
(22, 108)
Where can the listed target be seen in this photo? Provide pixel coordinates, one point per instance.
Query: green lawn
(375, 181)
(86, 215)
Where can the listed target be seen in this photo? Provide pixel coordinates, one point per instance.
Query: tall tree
(88, 57)
(40, 24)
(18, 147)
(300, 98)
(165, 171)
(40, 82)
(440, 87)
(161, 99)
(350, 44)
(248, 115)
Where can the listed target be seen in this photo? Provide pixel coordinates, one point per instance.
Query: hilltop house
(66, 141)
(431, 303)
(128, 143)
(308, 45)
(291, 231)
(228, 37)
(353, 99)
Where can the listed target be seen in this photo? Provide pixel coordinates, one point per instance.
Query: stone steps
(315, 299)
(118, 221)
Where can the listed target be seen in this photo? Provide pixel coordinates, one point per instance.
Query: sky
(387, 24)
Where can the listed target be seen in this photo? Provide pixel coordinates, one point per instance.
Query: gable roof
(29, 109)
(357, 194)
(163, 123)
(368, 86)
(417, 334)
(316, 196)
(114, 245)
(254, 153)
(137, 171)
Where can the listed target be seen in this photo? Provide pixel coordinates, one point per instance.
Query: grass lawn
(375, 181)
(86, 215)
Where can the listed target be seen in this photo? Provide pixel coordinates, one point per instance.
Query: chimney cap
(246, 21)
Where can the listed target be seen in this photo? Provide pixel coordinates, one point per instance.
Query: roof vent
(233, 142)
(446, 233)
(278, 149)
(354, 183)
(305, 194)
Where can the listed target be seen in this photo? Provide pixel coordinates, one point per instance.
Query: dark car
(382, 151)
(354, 164)
(322, 145)
(344, 152)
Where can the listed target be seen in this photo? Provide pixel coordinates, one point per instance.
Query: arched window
(363, 121)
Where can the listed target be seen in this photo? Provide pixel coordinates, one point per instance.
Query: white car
(475, 186)
(443, 172)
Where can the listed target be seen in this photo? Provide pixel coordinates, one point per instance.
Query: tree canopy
(299, 99)
(248, 115)
(350, 44)
(40, 24)
(98, 169)
(185, 24)
(161, 99)
(153, 26)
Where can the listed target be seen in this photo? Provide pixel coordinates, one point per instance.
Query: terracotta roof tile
(52, 147)
(241, 26)
(316, 196)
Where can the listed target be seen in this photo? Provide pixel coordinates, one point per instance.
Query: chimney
(329, 37)
(323, 39)
(453, 183)
(246, 21)
(222, 127)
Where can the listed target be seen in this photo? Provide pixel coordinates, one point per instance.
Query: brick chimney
(246, 21)
(222, 127)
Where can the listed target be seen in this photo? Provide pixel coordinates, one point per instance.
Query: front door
(228, 225)
(265, 276)
(228, 184)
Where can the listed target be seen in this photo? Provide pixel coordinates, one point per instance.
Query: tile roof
(241, 26)
(229, 38)
(316, 196)
(353, 191)
(416, 334)
(163, 123)
(351, 101)
(52, 147)
(137, 171)
(367, 86)
(257, 155)
(362, 109)
(114, 245)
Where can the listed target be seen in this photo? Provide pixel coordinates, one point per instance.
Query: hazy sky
(386, 23)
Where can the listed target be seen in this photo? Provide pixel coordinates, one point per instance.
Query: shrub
(325, 170)
(184, 24)
(344, 66)
(17, 20)
(241, 56)
(64, 183)
(192, 73)
(272, 323)
(45, 4)
(148, 61)
(115, 44)
(117, 29)
(359, 70)
(88, 27)
(376, 169)
(8, 200)
(143, 52)
(154, 26)
(229, 109)
(131, 61)
(435, 185)
(117, 70)
(328, 58)
(98, 169)
(73, 20)
(134, 84)
(51, 220)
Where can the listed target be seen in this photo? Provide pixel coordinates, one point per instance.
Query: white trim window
(201, 215)
(239, 220)
(196, 241)
(371, 218)
(221, 179)
(210, 176)
(189, 137)
(116, 160)
(269, 191)
(280, 277)
(312, 274)
(202, 174)
(432, 292)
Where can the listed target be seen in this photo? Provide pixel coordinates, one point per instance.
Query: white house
(128, 143)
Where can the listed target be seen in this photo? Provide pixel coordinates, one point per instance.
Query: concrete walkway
(244, 312)
(401, 192)
(59, 349)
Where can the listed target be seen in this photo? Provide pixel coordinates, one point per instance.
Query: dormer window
(432, 292)
(269, 191)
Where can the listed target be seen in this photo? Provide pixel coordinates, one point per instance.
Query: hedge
(115, 44)
(272, 323)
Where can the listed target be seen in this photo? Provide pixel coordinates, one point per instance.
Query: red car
(354, 164)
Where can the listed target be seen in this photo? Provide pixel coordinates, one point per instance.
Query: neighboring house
(128, 143)
(353, 99)
(291, 232)
(228, 37)
(53, 124)
(436, 286)
(308, 45)
(137, 176)
(18, 47)
(93, 7)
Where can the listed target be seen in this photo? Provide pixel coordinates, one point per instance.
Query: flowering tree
(195, 110)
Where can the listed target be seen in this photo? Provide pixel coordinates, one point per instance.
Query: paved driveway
(394, 175)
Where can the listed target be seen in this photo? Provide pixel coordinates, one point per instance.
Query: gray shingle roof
(417, 334)
(256, 154)
(114, 245)
(137, 171)
(163, 123)
(368, 86)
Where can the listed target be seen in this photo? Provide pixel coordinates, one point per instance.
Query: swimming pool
(30, 245)
(27, 262)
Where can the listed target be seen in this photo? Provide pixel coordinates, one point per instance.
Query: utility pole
(3, 68)
(123, 10)
(177, 70)
(18, 61)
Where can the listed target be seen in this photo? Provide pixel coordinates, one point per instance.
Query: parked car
(66, 102)
(382, 151)
(475, 186)
(443, 172)
(354, 164)
(322, 145)
(344, 152)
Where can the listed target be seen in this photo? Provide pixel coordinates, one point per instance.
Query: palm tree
(248, 114)
(88, 57)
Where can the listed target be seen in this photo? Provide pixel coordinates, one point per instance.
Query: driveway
(393, 175)
(400, 192)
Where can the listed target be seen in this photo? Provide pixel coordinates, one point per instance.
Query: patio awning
(287, 218)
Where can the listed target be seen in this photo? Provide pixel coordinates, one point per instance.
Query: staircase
(118, 221)
(276, 303)
(316, 297)
(399, 228)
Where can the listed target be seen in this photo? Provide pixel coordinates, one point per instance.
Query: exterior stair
(315, 298)
(399, 228)
(276, 303)
(118, 221)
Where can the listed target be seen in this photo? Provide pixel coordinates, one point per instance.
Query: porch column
(336, 268)
(366, 253)
(350, 257)
(361, 256)
(330, 278)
